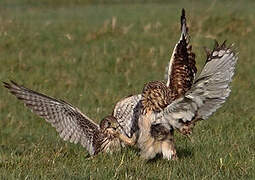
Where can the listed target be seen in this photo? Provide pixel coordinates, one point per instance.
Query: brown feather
(156, 96)
(183, 69)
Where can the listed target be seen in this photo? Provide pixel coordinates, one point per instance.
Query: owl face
(109, 122)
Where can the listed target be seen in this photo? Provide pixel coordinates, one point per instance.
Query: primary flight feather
(71, 124)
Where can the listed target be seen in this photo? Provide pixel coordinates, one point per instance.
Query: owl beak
(115, 125)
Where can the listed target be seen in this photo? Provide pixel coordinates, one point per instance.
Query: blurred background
(92, 54)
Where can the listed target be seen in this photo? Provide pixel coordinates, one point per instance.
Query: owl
(186, 97)
(183, 100)
(72, 124)
(149, 119)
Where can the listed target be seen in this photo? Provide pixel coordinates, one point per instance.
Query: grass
(92, 55)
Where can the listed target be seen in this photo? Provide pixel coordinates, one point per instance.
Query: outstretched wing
(208, 92)
(69, 122)
(127, 113)
(182, 68)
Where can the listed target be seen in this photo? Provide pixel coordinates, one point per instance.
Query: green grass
(71, 51)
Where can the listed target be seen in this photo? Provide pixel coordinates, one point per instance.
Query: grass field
(92, 55)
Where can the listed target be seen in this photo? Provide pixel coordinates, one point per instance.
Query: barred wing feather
(69, 122)
(127, 113)
(208, 92)
(182, 65)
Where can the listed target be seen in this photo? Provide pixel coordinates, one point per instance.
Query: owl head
(109, 122)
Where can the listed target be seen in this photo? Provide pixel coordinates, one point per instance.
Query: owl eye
(180, 121)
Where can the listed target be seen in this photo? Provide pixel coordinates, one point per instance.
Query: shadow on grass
(181, 153)
(158, 157)
(184, 153)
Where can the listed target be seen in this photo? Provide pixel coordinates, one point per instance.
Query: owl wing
(208, 92)
(127, 113)
(182, 66)
(69, 122)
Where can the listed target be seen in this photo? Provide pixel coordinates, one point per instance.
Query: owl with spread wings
(148, 119)
(183, 100)
(72, 124)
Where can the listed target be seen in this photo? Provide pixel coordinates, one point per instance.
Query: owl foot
(169, 151)
(113, 132)
(186, 130)
(129, 141)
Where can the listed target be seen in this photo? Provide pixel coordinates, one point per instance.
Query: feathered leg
(168, 150)
(149, 150)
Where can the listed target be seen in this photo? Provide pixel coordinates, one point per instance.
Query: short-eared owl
(71, 123)
(184, 99)
(158, 137)
(152, 136)
(150, 118)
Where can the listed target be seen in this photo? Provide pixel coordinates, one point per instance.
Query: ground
(92, 55)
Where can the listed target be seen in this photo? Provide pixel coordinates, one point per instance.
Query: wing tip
(183, 22)
(6, 85)
(183, 15)
(9, 85)
(218, 47)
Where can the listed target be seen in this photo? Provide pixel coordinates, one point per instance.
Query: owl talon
(186, 130)
(128, 141)
(175, 157)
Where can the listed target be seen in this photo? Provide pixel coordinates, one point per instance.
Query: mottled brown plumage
(183, 70)
(183, 64)
(151, 117)
(208, 92)
(189, 99)
(155, 138)
(107, 139)
(155, 96)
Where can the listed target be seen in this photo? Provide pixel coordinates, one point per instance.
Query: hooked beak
(114, 126)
